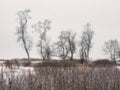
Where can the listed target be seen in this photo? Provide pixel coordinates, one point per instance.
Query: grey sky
(104, 15)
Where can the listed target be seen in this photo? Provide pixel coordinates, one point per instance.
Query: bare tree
(71, 43)
(66, 45)
(86, 42)
(82, 51)
(62, 46)
(26, 41)
(112, 48)
(44, 43)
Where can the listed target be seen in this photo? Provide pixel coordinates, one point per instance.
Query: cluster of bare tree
(66, 46)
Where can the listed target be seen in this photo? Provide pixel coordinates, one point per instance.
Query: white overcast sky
(104, 16)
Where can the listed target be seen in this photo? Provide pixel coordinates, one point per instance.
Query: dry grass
(70, 78)
(63, 75)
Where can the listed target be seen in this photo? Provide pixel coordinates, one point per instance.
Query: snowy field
(7, 73)
(26, 78)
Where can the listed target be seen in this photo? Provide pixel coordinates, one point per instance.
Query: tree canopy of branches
(23, 37)
(66, 45)
(44, 43)
(71, 43)
(112, 48)
(86, 42)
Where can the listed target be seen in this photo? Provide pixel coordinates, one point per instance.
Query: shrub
(55, 63)
(26, 64)
(103, 63)
(11, 63)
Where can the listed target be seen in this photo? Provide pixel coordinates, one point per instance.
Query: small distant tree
(22, 33)
(44, 43)
(111, 48)
(66, 45)
(86, 42)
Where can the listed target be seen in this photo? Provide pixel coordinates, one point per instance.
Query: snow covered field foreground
(60, 78)
(59, 75)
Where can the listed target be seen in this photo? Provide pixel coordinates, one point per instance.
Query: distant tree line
(66, 46)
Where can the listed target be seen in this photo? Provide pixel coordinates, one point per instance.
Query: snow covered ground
(118, 67)
(7, 73)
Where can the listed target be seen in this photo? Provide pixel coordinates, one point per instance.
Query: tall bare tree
(22, 33)
(83, 54)
(86, 42)
(112, 48)
(44, 43)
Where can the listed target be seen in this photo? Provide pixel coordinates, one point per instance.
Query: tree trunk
(25, 47)
(71, 58)
(82, 61)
